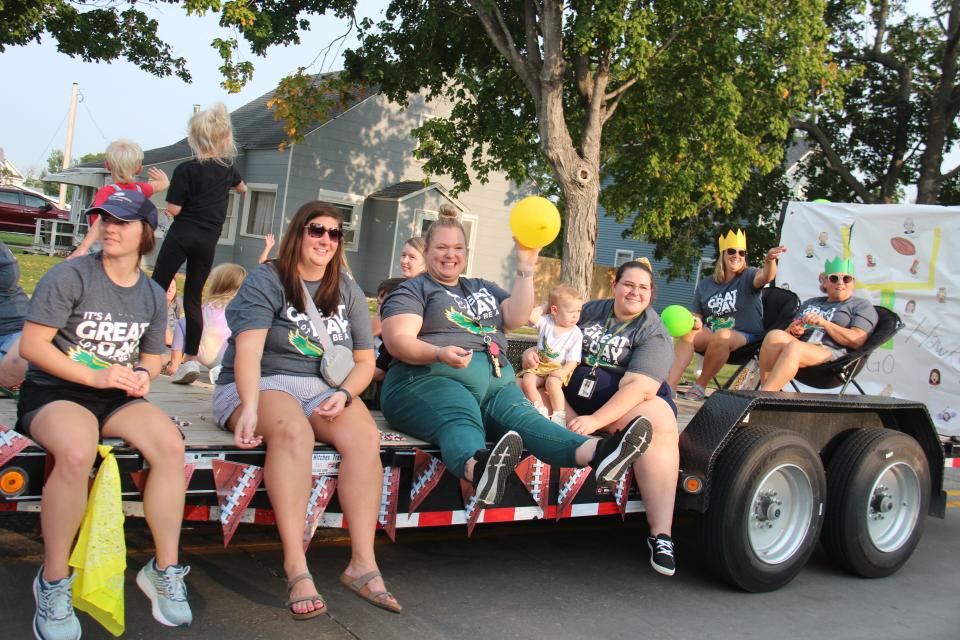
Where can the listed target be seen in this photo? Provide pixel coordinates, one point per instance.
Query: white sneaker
(214, 373)
(186, 373)
(559, 417)
(542, 410)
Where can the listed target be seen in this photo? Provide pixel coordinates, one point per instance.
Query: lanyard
(487, 337)
(595, 359)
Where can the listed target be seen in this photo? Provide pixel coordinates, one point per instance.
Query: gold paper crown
(738, 241)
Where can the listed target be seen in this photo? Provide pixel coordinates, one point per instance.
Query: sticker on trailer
(202, 460)
(325, 464)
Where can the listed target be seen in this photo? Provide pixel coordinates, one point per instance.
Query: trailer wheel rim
(781, 511)
(893, 508)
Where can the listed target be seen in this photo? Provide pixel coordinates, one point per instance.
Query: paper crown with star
(733, 241)
(838, 265)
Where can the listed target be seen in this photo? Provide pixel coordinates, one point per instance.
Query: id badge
(586, 387)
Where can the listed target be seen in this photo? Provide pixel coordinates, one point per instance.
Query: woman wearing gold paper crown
(825, 328)
(727, 311)
(94, 338)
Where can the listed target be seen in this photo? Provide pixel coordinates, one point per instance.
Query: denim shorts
(6, 341)
(309, 391)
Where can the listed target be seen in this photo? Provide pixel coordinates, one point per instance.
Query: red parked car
(20, 210)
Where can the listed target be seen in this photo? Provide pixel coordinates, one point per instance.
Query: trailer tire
(765, 509)
(878, 487)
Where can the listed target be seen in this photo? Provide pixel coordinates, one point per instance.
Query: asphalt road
(574, 579)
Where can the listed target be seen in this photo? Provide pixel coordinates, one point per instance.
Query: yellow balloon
(535, 222)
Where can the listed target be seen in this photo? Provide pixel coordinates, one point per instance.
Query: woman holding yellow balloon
(728, 313)
(450, 384)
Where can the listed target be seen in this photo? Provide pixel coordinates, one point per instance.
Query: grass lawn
(16, 239)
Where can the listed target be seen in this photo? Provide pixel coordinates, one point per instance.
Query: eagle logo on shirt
(87, 358)
(547, 352)
(467, 323)
(304, 345)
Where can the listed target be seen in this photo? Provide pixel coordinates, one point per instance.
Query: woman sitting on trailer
(626, 356)
(451, 385)
(271, 390)
(94, 338)
(826, 327)
(13, 309)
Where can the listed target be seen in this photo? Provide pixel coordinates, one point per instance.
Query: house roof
(254, 126)
(401, 190)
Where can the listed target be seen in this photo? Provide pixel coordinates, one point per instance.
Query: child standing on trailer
(124, 161)
(559, 346)
(197, 201)
(94, 339)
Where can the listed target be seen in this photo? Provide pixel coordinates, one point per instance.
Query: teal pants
(460, 409)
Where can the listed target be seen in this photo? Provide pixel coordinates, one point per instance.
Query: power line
(90, 113)
(60, 126)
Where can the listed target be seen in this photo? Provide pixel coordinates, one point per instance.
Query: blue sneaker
(167, 592)
(55, 619)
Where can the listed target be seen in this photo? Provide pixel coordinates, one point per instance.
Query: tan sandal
(306, 615)
(377, 598)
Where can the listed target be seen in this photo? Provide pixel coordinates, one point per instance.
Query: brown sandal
(306, 615)
(376, 598)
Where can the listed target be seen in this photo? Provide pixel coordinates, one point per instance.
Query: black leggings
(197, 248)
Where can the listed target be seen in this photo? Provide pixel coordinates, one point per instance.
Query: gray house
(360, 160)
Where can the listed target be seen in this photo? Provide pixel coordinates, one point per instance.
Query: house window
(228, 232)
(425, 218)
(351, 208)
(258, 207)
(622, 256)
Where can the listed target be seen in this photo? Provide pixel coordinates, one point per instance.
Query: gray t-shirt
(733, 305)
(639, 346)
(852, 312)
(98, 322)
(13, 300)
(458, 315)
(292, 347)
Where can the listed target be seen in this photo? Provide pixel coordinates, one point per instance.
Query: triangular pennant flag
(427, 471)
(471, 509)
(535, 475)
(140, 477)
(388, 502)
(621, 492)
(571, 481)
(236, 484)
(11, 443)
(320, 496)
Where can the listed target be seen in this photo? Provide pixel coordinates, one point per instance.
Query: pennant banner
(571, 481)
(11, 443)
(320, 496)
(427, 471)
(388, 501)
(140, 477)
(471, 509)
(621, 492)
(535, 475)
(236, 484)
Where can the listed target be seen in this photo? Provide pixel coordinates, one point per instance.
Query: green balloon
(821, 200)
(677, 319)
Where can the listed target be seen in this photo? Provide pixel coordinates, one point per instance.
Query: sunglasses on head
(315, 230)
(736, 252)
(834, 278)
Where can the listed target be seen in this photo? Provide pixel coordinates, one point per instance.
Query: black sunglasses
(733, 252)
(315, 230)
(834, 278)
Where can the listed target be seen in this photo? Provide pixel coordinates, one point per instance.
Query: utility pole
(68, 147)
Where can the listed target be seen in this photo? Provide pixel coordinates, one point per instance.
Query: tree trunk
(580, 238)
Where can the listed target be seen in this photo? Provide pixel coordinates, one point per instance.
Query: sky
(118, 100)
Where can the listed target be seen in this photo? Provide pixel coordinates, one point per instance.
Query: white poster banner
(907, 259)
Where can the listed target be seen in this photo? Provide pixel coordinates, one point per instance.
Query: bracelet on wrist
(144, 369)
(347, 394)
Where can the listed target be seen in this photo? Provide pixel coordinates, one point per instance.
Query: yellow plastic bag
(100, 556)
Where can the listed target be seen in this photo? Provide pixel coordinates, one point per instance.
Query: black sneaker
(494, 467)
(661, 554)
(615, 454)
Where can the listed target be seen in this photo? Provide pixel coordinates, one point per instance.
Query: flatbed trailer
(769, 474)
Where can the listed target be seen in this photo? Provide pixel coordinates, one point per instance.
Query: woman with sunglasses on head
(826, 327)
(271, 390)
(727, 312)
(94, 338)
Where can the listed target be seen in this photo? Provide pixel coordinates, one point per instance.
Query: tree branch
(530, 27)
(950, 174)
(582, 77)
(502, 39)
(835, 162)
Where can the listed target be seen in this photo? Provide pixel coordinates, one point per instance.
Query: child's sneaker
(695, 392)
(55, 618)
(615, 454)
(167, 592)
(560, 417)
(661, 554)
(186, 373)
(494, 467)
(542, 410)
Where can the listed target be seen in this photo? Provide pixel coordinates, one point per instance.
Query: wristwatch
(347, 394)
(522, 273)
